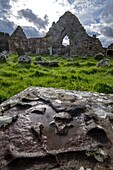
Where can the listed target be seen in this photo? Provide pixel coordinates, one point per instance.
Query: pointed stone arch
(68, 24)
(66, 41)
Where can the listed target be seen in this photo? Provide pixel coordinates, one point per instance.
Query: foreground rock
(46, 128)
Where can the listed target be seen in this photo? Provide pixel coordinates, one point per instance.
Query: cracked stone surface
(46, 128)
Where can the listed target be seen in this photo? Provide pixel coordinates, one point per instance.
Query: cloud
(31, 17)
(97, 18)
(107, 31)
(5, 5)
(15, 0)
(107, 13)
(6, 26)
(31, 32)
(71, 1)
(95, 15)
(4, 8)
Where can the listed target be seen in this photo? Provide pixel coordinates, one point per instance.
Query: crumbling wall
(38, 45)
(109, 50)
(18, 40)
(4, 41)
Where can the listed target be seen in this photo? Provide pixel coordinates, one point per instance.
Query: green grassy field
(79, 74)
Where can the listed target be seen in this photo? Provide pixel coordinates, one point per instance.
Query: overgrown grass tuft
(103, 87)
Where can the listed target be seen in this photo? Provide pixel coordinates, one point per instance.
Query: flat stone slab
(46, 128)
(48, 63)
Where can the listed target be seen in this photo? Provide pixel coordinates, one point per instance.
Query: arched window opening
(66, 41)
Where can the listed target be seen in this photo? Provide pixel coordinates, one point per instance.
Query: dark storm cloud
(31, 32)
(71, 1)
(5, 5)
(31, 17)
(107, 14)
(4, 8)
(107, 31)
(6, 26)
(15, 0)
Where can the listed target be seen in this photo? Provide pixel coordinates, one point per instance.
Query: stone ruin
(109, 51)
(17, 40)
(4, 41)
(55, 129)
(80, 43)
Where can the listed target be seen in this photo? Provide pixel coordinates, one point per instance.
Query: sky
(37, 16)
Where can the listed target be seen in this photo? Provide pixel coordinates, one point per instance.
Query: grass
(78, 74)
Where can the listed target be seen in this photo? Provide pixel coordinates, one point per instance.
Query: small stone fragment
(38, 130)
(63, 115)
(6, 120)
(38, 109)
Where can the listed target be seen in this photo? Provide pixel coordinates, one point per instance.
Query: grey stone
(24, 59)
(99, 56)
(3, 56)
(4, 120)
(104, 63)
(3, 59)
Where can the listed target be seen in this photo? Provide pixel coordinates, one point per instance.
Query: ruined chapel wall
(39, 45)
(17, 43)
(4, 41)
(80, 42)
(68, 24)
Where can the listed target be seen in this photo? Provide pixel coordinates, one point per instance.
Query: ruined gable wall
(80, 42)
(94, 46)
(18, 39)
(110, 46)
